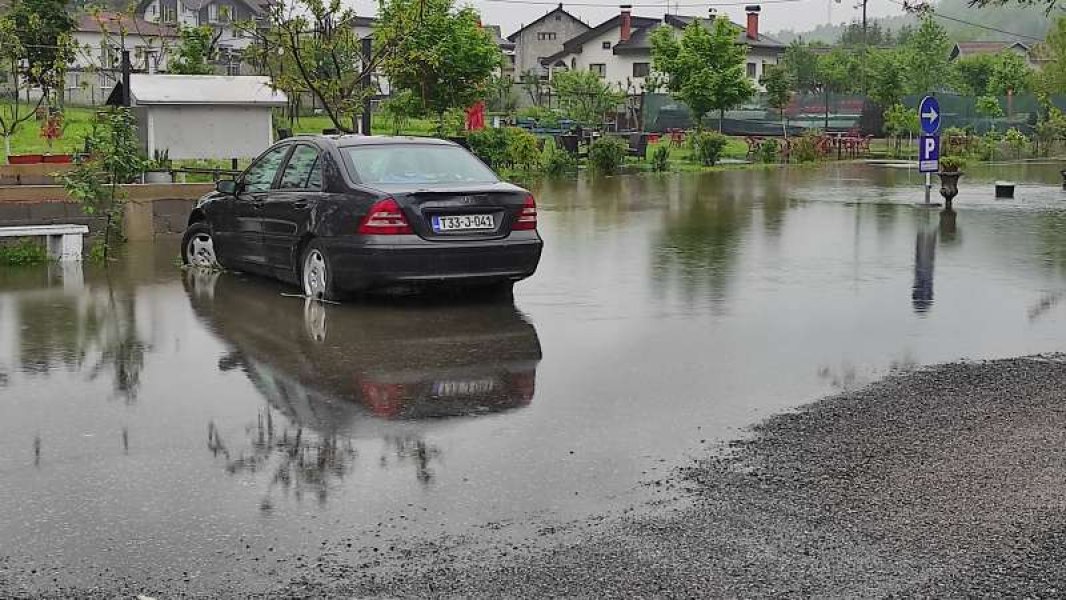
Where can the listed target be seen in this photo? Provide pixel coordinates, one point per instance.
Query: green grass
(27, 138)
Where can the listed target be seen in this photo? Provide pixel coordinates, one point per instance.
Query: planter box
(25, 159)
(57, 159)
(158, 177)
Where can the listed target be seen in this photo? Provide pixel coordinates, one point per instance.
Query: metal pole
(928, 186)
(367, 50)
(126, 67)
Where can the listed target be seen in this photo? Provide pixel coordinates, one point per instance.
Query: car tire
(316, 272)
(198, 247)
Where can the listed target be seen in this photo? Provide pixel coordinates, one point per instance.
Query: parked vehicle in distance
(338, 214)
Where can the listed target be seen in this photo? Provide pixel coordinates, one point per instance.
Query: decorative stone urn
(949, 186)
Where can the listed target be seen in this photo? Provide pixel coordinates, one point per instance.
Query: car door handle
(299, 205)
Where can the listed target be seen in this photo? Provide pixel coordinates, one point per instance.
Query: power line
(971, 24)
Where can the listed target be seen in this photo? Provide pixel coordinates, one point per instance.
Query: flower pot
(158, 177)
(24, 159)
(949, 186)
(57, 159)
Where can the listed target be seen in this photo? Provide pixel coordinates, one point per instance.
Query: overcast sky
(799, 15)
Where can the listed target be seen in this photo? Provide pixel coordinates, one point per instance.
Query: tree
(900, 121)
(972, 74)
(778, 86)
(442, 55)
(852, 35)
(1010, 74)
(705, 69)
(195, 50)
(836, 73)
(926, 55)
(43, 28)
(1052, 79)
(22, 77)
(989, 106)
(585, 96)
(885, 78)
(309, 46)
(802, 65)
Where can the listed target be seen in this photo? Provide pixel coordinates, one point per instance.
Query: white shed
(202, 116)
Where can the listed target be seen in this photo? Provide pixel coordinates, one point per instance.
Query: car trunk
(470, 212)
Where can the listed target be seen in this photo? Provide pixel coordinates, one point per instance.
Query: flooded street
(166, 432)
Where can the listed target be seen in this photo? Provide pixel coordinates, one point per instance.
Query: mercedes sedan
(338, 214)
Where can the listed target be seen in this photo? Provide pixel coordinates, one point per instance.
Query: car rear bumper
(362, 263)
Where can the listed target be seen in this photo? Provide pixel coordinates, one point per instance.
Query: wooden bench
(64, 241)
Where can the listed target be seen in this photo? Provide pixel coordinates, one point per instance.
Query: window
(599, 69)
(546, 35)
(260, 175)
(751, 70)
(233, 69)
(153, 10)
(607, 45)
(170, 14)
(218, 13)
(416, 164)
(641, 69)
(300, 171)
(558, 17)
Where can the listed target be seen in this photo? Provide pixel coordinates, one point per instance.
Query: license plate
(448, 389)
(443, 224)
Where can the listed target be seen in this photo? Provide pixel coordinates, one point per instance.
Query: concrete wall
(194, 131)
(151, 210)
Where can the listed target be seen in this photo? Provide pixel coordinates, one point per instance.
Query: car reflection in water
(366, 371)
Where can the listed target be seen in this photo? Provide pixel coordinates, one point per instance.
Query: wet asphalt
(718, 385)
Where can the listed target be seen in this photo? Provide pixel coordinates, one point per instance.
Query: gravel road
(945, 482)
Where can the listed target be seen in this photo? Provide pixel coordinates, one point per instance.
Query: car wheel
(316, 275)
(198, 247)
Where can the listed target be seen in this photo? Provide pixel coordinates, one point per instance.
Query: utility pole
(126, 68)
(865, 46)
(366, 48)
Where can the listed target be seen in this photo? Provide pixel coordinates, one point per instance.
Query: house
(967, 49)
(101, 38)
(221, 15)
(507, 49)
(619, 49)
(543, 38)
(202, 116)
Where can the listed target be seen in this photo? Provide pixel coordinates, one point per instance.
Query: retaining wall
(154, 209)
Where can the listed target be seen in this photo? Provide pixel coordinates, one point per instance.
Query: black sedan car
(346, 213)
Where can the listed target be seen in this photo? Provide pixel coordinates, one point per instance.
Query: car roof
(348, 140)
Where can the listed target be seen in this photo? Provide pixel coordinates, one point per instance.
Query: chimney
(627, 22)
(753, 21)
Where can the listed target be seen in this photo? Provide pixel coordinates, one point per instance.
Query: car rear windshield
(416, 164)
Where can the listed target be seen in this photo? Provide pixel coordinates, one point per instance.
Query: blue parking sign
(929, 153)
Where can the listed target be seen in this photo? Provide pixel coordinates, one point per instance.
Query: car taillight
(385, 218)
(527, 217)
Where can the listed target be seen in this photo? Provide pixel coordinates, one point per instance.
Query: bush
(805, 148)
(1016, 141)
(949, 164)
(607, 153)
(988, 146)
(707, 147)
(506, 147)
(767, 151)
(555, 160)
(660, 158)
(23, 252)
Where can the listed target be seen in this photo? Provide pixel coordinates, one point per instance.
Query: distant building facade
(543, 38)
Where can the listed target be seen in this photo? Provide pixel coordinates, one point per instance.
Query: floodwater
(160, 426)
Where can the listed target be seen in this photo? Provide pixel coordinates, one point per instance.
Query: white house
(220, 15)
(100, 40)
(619, 49)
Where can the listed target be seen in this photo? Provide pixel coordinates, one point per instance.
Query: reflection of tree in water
(700, 243)
(414, 449)
(95, 332)
(300, 461)
(1052, 233)
(924, 259)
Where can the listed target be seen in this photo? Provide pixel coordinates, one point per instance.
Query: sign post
(929, 141)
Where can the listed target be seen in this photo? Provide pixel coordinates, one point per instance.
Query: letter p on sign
(929, 153)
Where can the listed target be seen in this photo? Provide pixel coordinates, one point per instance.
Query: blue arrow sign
(929, 115)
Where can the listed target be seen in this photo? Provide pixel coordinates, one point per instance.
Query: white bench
(64, 241)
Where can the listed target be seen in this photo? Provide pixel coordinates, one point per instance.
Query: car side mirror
(227, 186)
